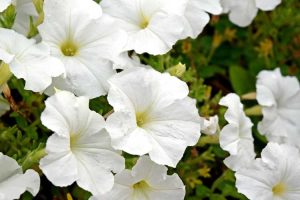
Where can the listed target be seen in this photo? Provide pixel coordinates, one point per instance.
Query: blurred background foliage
(223, 59)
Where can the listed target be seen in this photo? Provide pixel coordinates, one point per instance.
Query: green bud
(177, 70)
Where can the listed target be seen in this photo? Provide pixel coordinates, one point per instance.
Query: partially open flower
(274, 176)
(80, 149)
(13, 182)
(147, 180)
(236, 137)
(25, 15)
(210, 126)
(279, 97)
(153, 114)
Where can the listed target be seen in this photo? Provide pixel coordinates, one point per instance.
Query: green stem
(254, 111)
(33, 158)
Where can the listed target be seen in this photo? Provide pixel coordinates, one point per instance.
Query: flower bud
(5, 74)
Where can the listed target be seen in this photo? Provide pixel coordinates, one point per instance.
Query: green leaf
(241, 80)
(202, 191)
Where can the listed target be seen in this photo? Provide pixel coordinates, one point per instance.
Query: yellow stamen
(69, 196)
(141, 119)
(69, 48)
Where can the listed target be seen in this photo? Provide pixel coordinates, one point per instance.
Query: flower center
(144, 22)
(73, 140)
(69, 48)
(142, 185)
(141, 119)
(279, 189)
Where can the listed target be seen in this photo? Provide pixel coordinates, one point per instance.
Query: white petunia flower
(81, 38)
(236, 137)
(153, 26)
(13, 182)
(280, 100)
(147, 180)
(196, 15)
(4, 4)
(210, 126)
(274, 176)
(153, 114)
(80, 149)
(28, 60)
(243, 12)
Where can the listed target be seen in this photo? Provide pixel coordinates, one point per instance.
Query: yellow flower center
(144, 22)
(73, 140)
(141, 119)
(142, 185)
(279, 189)
(69, 48)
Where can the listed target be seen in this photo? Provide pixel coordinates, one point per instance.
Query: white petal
(267, 5)
(197, 17)
(65, 114)
(244, 157)
(31, 67)
(91, 177)
(211, 6)
(98, 147)
(13, 182)
(241, 13)
(78, 71)
(155, 39)
(136, 142)
(237, 134)
(119, 192)
(28, 60)
(4, 4)
(195, 22)
(60, 165)
(179, 120)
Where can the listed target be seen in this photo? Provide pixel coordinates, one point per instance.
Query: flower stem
(33, 158)
(254, 111)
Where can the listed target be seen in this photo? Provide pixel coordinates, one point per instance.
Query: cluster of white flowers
(81, 44)
(276, 174)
